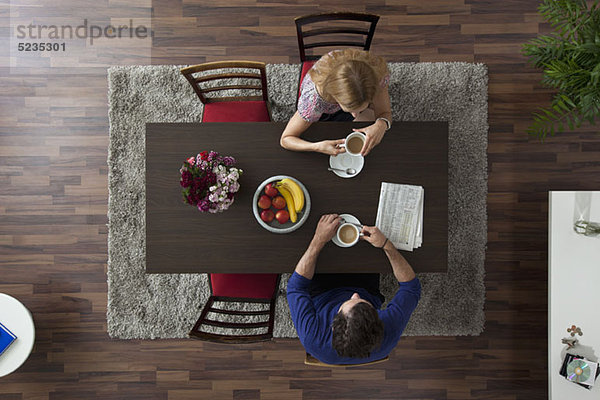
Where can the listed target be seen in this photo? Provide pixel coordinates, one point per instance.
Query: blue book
(6, 338)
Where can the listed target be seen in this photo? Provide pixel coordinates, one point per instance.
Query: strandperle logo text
(83, 31)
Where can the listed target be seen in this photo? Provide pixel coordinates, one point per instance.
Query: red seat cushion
(255, 286)
(306, 65)
(236, 111)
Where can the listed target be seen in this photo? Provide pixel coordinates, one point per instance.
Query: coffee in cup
(354, 143)
(348, 234)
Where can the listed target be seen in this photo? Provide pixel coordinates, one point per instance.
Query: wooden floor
(53, 204)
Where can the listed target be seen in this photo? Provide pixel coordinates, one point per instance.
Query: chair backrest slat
(238, 312)
(332, 31)
(236, 325)
(333, 44)
(233, 98)
(259, 73)
(217, 338)
(337, 16)
(206, 78)
(230, 87)
(350, 27)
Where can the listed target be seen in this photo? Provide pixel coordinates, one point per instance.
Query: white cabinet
(573, 292)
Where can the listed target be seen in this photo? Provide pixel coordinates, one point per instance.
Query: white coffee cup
(354, 143)
(348, 234)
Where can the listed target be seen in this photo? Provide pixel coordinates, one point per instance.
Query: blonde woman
(344, 85)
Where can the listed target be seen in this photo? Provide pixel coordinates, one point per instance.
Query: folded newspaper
(400, 214)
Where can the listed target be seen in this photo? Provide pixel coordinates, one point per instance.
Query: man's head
(357, 328)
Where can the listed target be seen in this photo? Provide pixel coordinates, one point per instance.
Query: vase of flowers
(209, 181)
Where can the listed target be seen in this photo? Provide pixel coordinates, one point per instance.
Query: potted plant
(570, 57)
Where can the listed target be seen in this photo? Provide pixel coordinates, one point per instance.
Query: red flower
(204, 155)
(186, 179)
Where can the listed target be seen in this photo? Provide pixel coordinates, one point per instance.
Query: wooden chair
(357, 29)
(238, 289)
(245, 107)
(310, 360)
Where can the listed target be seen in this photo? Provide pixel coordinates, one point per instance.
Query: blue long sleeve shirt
(313, 317)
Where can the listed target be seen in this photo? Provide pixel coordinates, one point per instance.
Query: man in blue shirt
(338, 316)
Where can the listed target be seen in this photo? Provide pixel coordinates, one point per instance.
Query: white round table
(18, 320)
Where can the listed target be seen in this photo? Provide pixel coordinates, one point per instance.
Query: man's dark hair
(356, 334)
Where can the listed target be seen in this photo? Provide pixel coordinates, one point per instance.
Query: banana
(296, 191)
(289, 200)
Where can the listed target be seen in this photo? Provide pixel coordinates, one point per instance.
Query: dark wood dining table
(180, 239)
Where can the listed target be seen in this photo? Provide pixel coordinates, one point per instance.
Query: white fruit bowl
(274, 226)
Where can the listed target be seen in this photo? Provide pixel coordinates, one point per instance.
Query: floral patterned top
(311, 105)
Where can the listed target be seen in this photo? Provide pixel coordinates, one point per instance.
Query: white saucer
(345, 160)
(348, 218)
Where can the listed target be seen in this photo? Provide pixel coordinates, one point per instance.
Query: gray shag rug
(142, 306)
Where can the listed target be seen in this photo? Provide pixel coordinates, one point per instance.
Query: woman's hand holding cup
(374, 134)
(331, 147)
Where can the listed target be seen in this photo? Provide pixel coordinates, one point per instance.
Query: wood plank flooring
(53, 204)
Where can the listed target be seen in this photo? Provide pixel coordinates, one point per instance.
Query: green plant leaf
(570, 58)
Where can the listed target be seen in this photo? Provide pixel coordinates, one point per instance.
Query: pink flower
(191, 160)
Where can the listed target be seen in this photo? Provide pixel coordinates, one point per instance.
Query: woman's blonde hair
(349, 77)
